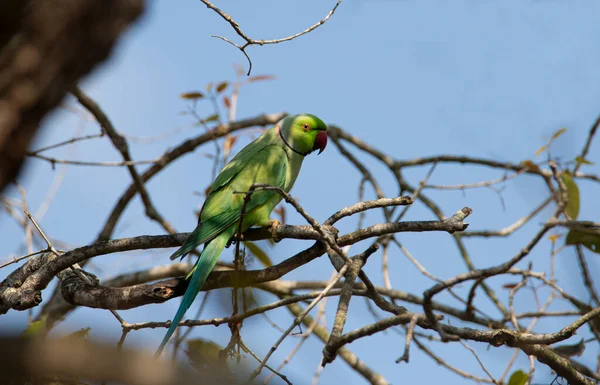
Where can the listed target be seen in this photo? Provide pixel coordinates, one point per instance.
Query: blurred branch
(45, 48)
(588, 143)
(22, 360)
(495, 338)
(70, 162)
(587, 278)
(151, 274)
(66, 142)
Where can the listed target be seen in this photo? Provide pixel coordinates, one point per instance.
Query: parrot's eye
(306, 127)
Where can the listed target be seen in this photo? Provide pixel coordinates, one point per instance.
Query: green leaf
(80, 334)
(554, 237)
(203, 353)
(192, 95)
(589, 239)
(572, 209)
(259, 78)
(212, 118)
(221, 87)
(540, 150)
(558, 133)
(581, 160)
(36, 328)
(258, 253)
(530, 165)
(518, 378)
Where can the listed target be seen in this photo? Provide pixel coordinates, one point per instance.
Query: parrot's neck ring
(287, 144)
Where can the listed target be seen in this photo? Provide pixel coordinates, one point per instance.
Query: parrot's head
(305, 133)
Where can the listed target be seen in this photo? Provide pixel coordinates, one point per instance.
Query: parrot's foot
(273, 225)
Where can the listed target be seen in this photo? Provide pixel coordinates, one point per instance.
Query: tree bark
(46, 46)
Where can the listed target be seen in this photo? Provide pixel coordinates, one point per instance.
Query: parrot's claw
(273, 225)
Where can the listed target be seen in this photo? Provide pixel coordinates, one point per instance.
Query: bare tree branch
(10, 297)
(250, 41)
(121, 145)
(356, 263)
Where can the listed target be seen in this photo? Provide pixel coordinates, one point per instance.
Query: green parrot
(274, 158)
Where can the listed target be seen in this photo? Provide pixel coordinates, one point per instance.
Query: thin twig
(587, 279)
(443, 363)
(66, 142)
(479, 361)
(409, 336)
(250, 41)
(299, 319)
(121, 145)
(274, 371)
(588, 143)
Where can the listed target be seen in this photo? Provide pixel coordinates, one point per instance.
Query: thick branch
(28, 361)
(357, 262)
(45, 48)
(39, 278)
(77, 292)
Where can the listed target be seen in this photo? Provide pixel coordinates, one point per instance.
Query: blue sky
(413, 78)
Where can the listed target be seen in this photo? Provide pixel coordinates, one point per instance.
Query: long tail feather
(183, 251)
(203, 267)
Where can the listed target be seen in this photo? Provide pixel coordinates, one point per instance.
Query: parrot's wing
(240, 161)
(206, 231)
(224, 204)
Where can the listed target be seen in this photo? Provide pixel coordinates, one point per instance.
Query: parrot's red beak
(320, 141)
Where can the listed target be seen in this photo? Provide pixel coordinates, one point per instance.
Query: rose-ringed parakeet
(274, 158)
